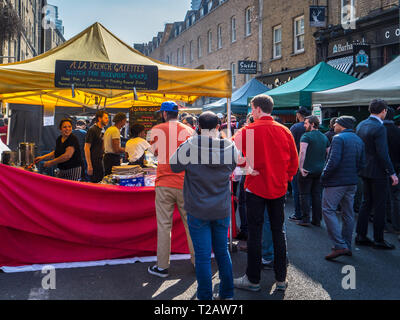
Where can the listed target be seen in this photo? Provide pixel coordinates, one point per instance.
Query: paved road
(310, 276)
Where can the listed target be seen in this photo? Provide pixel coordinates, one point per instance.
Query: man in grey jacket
(208, 163)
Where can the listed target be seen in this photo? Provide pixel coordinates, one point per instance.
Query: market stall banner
(47, 220)
(103, 75)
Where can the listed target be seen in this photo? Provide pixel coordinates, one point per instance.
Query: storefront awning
(346, 65)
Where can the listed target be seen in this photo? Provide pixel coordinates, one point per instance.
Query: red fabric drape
(48, 220)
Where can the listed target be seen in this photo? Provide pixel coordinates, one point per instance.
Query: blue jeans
(296, 198)
(331, 198)
(207, 236)
(267, 243)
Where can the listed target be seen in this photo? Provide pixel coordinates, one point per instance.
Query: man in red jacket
(272, 161)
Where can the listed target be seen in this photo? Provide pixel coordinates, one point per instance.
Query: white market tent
(383, 84)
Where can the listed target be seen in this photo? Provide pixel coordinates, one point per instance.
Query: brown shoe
(337, 253)
(303, 224)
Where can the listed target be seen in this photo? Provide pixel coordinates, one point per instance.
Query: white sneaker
(244, 283)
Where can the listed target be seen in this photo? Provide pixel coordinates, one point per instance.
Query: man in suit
(375, 176)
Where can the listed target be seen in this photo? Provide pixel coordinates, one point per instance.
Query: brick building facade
(373, 26)
(33, 38)
(217, 36)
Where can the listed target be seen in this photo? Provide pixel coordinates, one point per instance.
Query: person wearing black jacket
(393, 133)
(375, 175)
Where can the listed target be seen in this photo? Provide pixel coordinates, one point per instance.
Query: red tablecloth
(48, 220)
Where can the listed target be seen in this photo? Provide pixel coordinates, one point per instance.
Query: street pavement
(310, 276)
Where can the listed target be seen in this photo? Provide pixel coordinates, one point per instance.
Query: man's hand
(90, 170)
(47, 164)
(304, 172)
(395, 180)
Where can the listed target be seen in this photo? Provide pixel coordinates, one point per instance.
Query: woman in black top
(67, 154)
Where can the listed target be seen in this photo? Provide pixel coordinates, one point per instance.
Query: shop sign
(103, 75)
(389, 35)
(247, 67)
(341, 48)
(317, 16)
(361, 58)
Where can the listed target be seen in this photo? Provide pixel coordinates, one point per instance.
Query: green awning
(298, 92)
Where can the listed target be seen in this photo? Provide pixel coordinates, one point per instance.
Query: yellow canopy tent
(32, 81)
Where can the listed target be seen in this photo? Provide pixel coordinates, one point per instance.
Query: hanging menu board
(102, 75)
(146, 116)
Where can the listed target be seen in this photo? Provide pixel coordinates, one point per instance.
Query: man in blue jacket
(375, 176)
(340, 176)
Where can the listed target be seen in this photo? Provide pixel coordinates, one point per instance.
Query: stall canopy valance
(32, 81)
(297, 92)
(239, 98)
(384, 84)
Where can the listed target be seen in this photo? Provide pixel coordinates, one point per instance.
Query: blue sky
(133, 21)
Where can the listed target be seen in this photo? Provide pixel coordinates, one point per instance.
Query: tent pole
(9, 123)
(229, 109)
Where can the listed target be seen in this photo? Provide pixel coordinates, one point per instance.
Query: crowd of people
(201, 166)
(325, 172)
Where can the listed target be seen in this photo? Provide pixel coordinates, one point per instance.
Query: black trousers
(255, 217)
(375, 192)
(110, 160)
(310, 185)
(98, 171)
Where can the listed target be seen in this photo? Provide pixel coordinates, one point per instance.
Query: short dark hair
(100, 114)
(265, 102)
(332, 122)
(313, 120)
(120, 116)
(190, 120)
(208, 120)
(171, 115)
(136, 129)
(377, 106)
(63, 121)
(81, 123)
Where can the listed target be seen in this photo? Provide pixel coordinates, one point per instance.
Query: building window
(233, 70)
(233, 29)
(199, 48)
(299, 34)
(187, 23)
(193, 18)
(201, 12)
(219, 36)
(177, 57)
(209, 37)
(277, 42)
(184, 55)
(248, 22)
(348, 11)
(209, 5)
(221, 1)
(191, 51)
(167, 59)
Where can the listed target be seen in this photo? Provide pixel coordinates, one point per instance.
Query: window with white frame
(191, 51)
(248, 22)
(348, 11)
(233, 29)
(183, 55)
(199, 48)
(209, 5)
(277, 45)
(233, 70)
(209, 38)
(219, 36)
(299, 34)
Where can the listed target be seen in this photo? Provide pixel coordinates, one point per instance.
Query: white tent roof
(384, 84)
